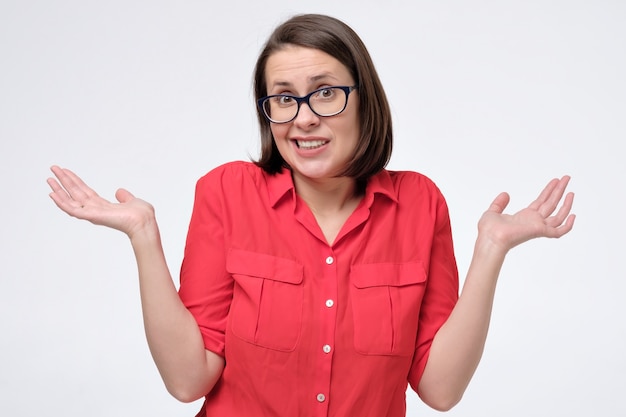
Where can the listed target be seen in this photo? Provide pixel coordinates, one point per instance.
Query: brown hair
(338, 40)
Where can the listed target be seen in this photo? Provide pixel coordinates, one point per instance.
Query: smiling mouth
(310, 144)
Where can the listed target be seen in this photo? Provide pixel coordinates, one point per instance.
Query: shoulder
(418, 194)
(232, 174)
(412, 177)
(409, 185)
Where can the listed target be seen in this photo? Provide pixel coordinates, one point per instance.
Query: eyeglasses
(325, 102)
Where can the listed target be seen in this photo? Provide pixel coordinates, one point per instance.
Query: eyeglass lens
(324, 102)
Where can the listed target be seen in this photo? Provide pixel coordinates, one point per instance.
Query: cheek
(278, 131)
(351, 130)
(352, 123)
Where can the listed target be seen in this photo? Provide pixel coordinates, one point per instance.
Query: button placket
(327, 337)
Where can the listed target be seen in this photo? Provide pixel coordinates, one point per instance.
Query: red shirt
(308, 328)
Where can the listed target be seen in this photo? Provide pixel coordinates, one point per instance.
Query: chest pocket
(267, 300)
(386, 299)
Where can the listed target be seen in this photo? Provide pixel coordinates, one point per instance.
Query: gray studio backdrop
(487, 96)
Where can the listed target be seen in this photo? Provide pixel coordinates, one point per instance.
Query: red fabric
(309, 329)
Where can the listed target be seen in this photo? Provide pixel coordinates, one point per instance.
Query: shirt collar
(278, 185)
(281, 183)
(381, 183)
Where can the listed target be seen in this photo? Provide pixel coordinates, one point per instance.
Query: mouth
(310, 144)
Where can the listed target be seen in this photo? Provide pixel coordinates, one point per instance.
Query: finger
(70, 188)
(555, 197)
(75, 188)
(79, 183)
(60, 196)
(55, 186)
(549, 198)
(123, 196)
(563, 212)
(72, 182)
(62, 199)
(499, 203)
(557, 232)
(544, 195)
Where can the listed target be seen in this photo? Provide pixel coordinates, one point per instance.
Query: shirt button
(330, 303)
(326, 348)
(321, 397)
(330, 260)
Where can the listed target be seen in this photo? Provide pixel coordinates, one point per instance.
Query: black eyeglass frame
(305, 99)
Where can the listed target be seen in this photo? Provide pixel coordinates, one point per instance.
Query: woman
(315, 282)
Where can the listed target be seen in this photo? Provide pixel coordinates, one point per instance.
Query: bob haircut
(338, 40)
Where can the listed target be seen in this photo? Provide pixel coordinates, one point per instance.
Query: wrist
(486, 246)
(145, 231)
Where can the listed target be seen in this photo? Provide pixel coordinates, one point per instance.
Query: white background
(487, 96)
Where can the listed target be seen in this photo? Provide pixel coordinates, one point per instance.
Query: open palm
(75, 198)
(537, 220)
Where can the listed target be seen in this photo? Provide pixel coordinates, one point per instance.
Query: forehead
(301, 67)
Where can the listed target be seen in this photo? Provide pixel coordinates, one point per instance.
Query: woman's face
(315, 147)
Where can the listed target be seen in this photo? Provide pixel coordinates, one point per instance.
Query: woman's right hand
(73, 196)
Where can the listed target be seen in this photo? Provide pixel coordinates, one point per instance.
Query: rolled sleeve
(441, 295)
(206, 288)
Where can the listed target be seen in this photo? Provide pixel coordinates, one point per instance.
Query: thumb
(499, 204)
(124, 196)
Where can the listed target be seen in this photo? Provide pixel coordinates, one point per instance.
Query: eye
(325, 93)
(283, 100)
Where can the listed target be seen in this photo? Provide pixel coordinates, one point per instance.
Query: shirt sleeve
(441, 294)
(205, 287)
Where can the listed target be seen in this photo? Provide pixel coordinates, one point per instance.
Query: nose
(305, 117)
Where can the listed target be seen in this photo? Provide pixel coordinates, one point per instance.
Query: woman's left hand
(537, 220)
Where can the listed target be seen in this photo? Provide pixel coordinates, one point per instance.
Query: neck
(328, 195)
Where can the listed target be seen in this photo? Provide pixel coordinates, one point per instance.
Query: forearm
(458, 346)
(188, 370)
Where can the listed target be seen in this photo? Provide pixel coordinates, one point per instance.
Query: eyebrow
(312, 80)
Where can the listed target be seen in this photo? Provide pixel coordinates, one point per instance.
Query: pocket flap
(387, 274)
(261, 265)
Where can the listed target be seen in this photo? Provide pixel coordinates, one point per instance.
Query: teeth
(310, 144)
